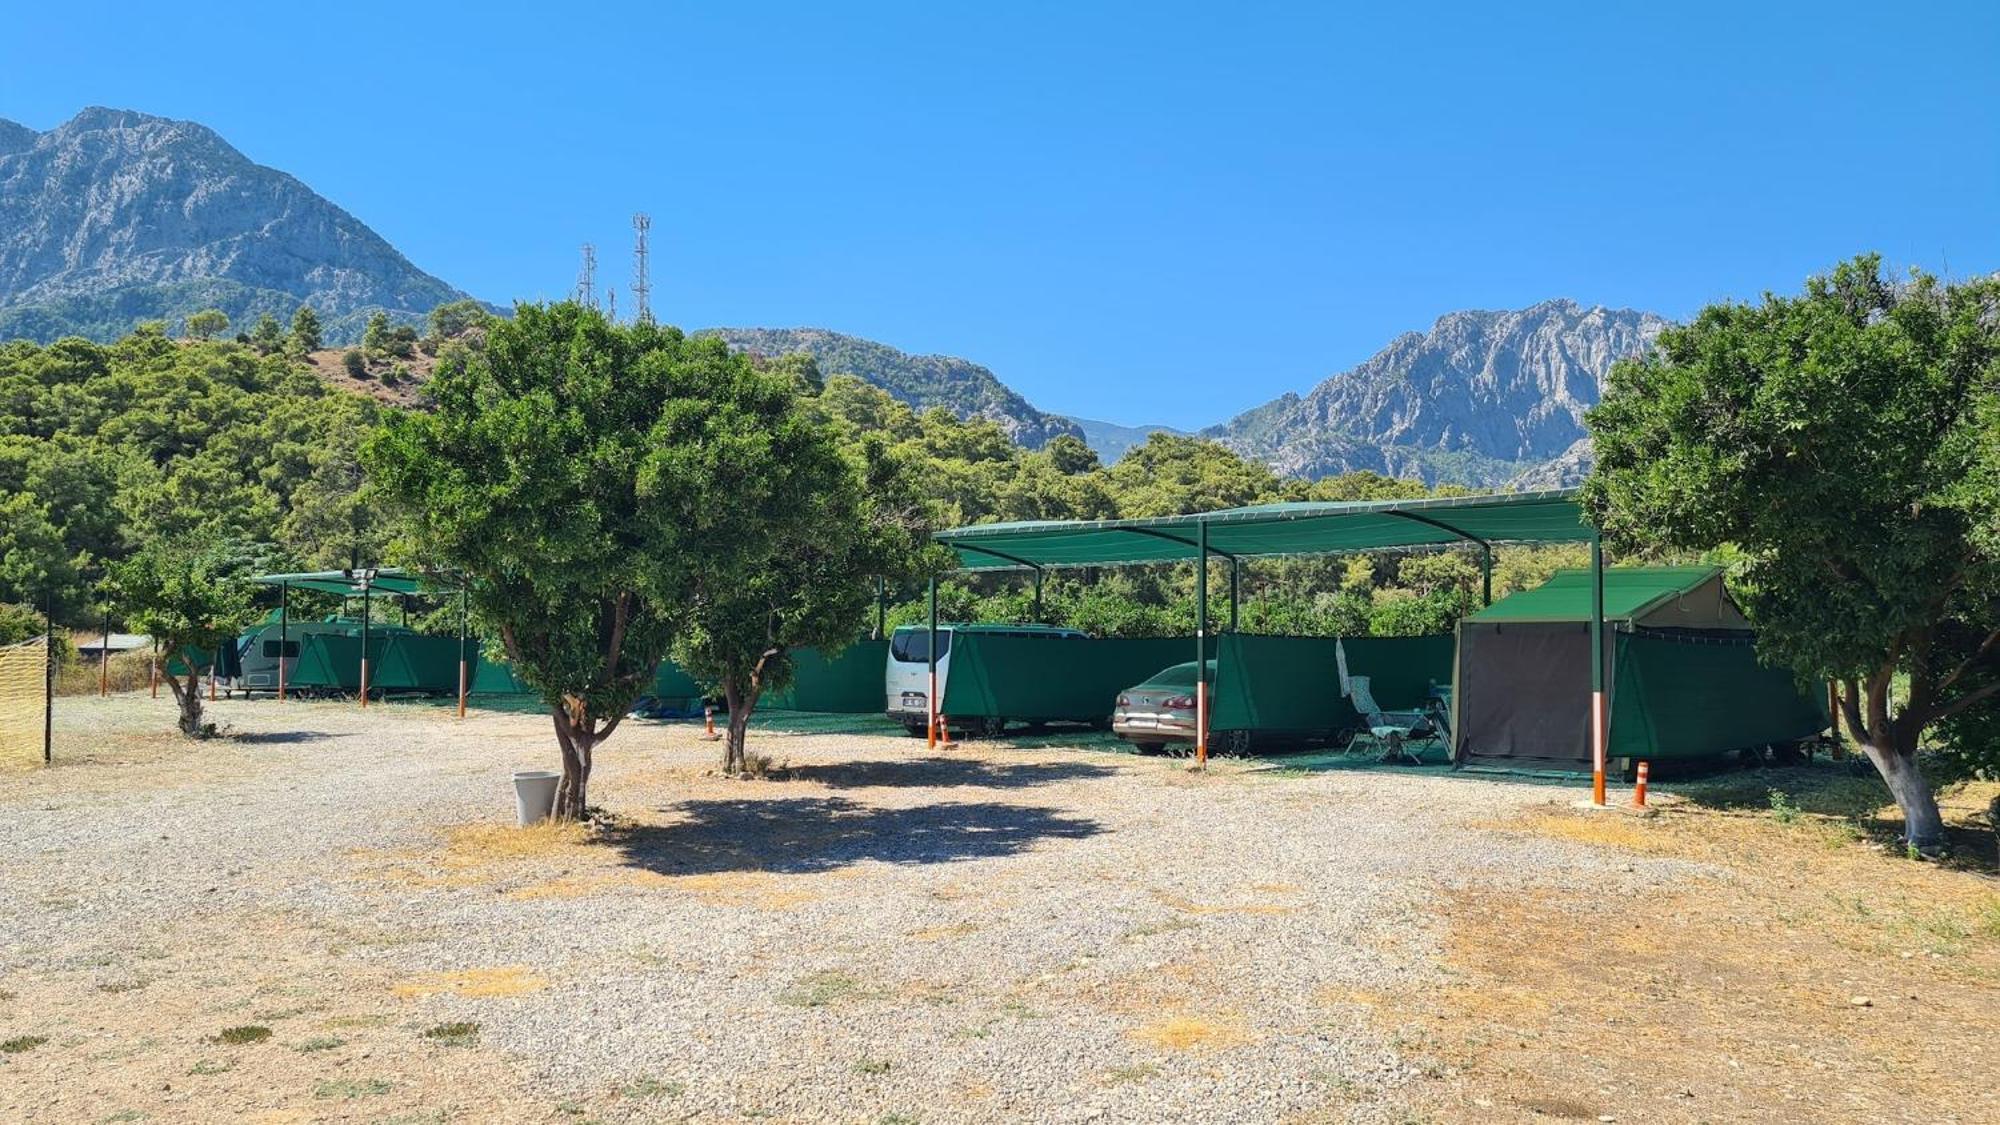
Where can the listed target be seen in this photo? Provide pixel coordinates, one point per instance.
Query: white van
(906, 680)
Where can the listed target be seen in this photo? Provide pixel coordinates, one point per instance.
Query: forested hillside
(960, 386)
(104, 447)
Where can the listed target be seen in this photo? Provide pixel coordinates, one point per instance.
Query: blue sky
(1147, 213)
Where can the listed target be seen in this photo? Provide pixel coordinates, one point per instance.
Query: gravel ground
(1039, 929)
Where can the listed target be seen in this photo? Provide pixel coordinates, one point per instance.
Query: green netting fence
(1293, 683)
(848, 684)
(1051, 679)
(1684, 697)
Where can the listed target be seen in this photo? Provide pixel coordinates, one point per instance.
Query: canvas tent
(1684, 678)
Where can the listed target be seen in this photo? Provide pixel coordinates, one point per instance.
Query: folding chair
(1395, 732)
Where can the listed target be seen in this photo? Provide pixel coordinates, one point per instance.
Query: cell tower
(586, 277)
(642, 288)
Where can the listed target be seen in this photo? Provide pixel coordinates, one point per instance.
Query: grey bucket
(534, 796)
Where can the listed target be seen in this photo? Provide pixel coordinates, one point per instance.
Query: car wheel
(1150, 747)
(915, 731)
(1237, 742)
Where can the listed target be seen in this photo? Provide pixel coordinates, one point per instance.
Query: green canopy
(1683, 596)
(1303, 528)
(389, 580)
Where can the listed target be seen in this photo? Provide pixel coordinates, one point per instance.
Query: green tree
(574, 470)
(305, 330)
(192, 597)
(375, 337)
(811, 528)
(354, 363)
(267, 336)
(453, 319)
(207, 324)
(1843, 440)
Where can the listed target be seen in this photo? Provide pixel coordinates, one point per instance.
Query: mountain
(923, 381)
(1111, 440)
(115, 217)
(1480, 399)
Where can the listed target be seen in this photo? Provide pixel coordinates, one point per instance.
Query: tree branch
(1966, 665)
(1964, 701)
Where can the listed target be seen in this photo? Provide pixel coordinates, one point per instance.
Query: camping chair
(1393, 732)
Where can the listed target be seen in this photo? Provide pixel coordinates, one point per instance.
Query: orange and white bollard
(708, 733)
(944, 733)
(1639, 789)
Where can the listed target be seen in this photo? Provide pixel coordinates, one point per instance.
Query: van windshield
(913, 646)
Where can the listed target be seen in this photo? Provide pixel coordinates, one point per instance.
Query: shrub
(355, 363)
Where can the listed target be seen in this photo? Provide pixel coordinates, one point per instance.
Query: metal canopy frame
(1290, 529)
(369, 583)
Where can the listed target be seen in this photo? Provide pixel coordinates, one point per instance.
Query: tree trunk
(740, 704)
(188, 698)
(1923, 825)
(576, 742)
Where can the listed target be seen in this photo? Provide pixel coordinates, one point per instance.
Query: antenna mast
(642, 288)
(611, 303)
(586, 277)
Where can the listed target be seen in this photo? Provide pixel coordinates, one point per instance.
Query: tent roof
(390, 581)
(1631, 593)
(1307, 528)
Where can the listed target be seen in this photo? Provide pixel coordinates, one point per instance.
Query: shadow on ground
(802, 835)
(938, 772)
(280, 737)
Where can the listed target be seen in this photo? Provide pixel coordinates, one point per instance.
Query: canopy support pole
(1201, 649)
(365, 600)
(104, 657)
(881, 609)
(49, 675)
(464, 669)
(1038, 595)
(931, 696)
(1486, 574)
(284, 634)
(1598, 732)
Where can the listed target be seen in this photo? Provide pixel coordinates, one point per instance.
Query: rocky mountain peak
(117, 216)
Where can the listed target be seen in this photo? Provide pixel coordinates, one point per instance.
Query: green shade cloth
(1292, 684)
(1274, 529)
(1050, 679)
(389, 581)
(1679, 697)
(496, 677)
(670, 684)
(1630, 593)
(416, 662)
(851, 683)
(332, 661)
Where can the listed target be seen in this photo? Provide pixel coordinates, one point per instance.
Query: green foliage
(453, 319)
(186, 592)
(19, 623)
(375, 338)
(1843, 441)
(267, 336)
(207, 324)
(306, 330)
(355, 363)
(576, 471)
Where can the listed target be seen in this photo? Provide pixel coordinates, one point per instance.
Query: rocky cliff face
(1481, 398)
(115, 217)
(961, 386)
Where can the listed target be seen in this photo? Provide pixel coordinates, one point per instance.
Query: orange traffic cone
(1639, 789)
(708, 732)
(944, 733)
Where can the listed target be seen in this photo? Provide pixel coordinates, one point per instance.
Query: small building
(92, 646)
(1681, 668)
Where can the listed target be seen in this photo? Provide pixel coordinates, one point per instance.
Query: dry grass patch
(1813, 977)
(1188, 1033)
(476, 984)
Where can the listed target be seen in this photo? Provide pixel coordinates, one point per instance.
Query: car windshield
(913, 646)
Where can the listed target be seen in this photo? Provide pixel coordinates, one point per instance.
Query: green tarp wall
(1675, 697)
(670, 683)
(332, 662)
(229, 662)
(848, 684)
(415, 662)
(1293, 683)
(495, 677)
(1049, 679)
